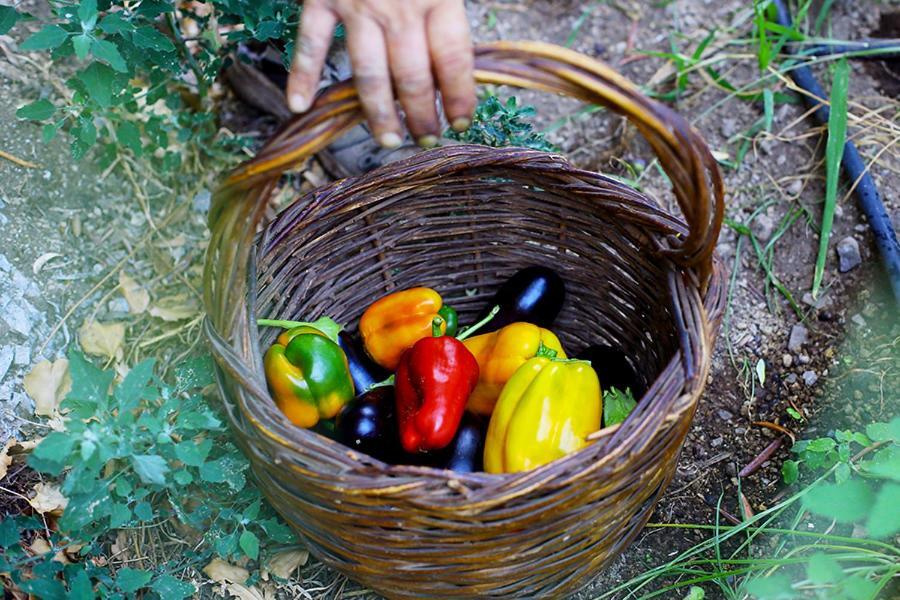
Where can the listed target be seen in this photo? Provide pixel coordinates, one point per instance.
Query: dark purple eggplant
(466, 452)
(363, 370)
(613, 369)
(534, 295)
(369, 424)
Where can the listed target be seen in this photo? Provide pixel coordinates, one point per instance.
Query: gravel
(810, 378)
(848, 254)
(798, 338)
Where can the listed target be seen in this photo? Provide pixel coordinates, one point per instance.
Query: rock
(717, 442)
(822, 302)
(810, 378)
(861, 228)
(858, 320)
(763, 226)
(791, 379)
(729, 127)
(201, 201)
(724, 414)
(798, 338)
(117, 305)
(23, 355)
(803, 359)
(787, 360)
(794, 188)
(6, 359)
(848, 254)
(731, 469)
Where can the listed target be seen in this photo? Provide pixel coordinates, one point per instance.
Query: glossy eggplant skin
(363, 370)
(612, 368)
(533, 295)
(465, 453)
(369, 424)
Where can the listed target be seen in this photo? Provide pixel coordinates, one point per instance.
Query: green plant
(137, 455)
(142, 72)
(499, 124)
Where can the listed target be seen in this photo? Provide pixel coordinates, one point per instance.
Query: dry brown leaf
(242, 592)
(6, 454)
(102, 339)
(284, 563)
(220, 571)
(47, 384)
(136, 296)
(175, 308)
(48, 499)
(40, 546)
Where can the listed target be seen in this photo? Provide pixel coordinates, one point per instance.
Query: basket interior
(338, 249)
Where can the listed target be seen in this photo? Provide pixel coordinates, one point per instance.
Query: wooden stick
(18, 161)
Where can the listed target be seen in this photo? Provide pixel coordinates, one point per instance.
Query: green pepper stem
(545, 351)
(470, 330)
(436, 327)
(326, 325)
(386, 383)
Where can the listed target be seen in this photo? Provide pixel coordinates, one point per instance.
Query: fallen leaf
(40, 546)
(284, 563)
(175, 308)
(102, 339)
(176, 242)
(220, 571)
(242, 592)
(48, 499)
(136, 296)
(6, 454)
(42, 260)
(47, 384)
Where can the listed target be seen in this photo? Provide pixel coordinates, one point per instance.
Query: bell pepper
(546, 410)
(308, 375)
(433, 381)
(392, 324)
(533, 295)
(500, 353)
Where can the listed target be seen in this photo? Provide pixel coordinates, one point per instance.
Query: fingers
(411, 70)
(451, 52)
(366, 44)
(317, 23)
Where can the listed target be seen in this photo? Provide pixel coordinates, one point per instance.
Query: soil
(843, 376)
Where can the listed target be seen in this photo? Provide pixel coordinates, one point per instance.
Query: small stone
(201, 201)
(6, 359)
(861, 228)
(117, 305)
(794, 188)
(731, 469)
(23, 355)
(848, 254)
(787, 360)
(803, 359)
(791, 379)
(821, 302)
(799, 336)
(858, 320)
(763, 226)
(729, 127)
(810, 378)
(717, 442)
(724, 414)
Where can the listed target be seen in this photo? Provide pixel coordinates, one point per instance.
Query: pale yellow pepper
(545, 411)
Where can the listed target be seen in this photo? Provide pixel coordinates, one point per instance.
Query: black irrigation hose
(866, 193)
(861, 50)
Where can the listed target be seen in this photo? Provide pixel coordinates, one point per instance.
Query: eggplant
(369, 424)
(613, 369)
(533, 295)
(465, 453)
(363, 370)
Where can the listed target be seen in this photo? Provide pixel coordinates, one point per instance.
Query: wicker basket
(457, 218)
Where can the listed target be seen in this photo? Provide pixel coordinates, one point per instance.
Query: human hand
(409, 42)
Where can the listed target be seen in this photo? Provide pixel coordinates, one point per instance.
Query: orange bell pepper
(500, 353)
(392, 324)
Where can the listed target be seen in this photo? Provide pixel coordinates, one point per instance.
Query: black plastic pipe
(872, 49)
(855, 168)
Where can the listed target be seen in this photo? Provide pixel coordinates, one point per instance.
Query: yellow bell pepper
(545, 411)
(500, 353)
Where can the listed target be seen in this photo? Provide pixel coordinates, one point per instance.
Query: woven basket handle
(697, 184)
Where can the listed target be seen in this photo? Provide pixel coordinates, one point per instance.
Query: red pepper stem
(470, 330)
(436, 327)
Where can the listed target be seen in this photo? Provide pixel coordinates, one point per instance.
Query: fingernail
(428, 141)
(390, 140)
(298, 103)
(461, 124)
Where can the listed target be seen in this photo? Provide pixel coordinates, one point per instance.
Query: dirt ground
(845, 373)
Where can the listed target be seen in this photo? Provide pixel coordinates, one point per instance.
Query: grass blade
(834, 150)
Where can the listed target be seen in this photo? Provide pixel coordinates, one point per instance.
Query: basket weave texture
(460, 218)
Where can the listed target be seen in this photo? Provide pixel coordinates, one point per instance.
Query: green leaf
(880, 432)
(790, 471)
(98, 80)
(249, 544)
(9, 532)
(617, 405)
(131, 580)
(143, 511)
(81, 587)
(821, 445)
(87, 14)
(108, 52)
(89, 384)
(842, 472)
(51, 36)
(823, 569)
(183, 477)
(171, 588)
(774, 587)
(8, 18)
(885, 463)
(192, 453)
(82, 45)
(114, 23)
(859, 588)
(277, 531)
(129, 136)
(695, 593)
(195, 373)
(844, 502)
(129, 392)
(48, 132)
(834, 151)
(151, 38)
(884, 518)
(85, 508)
(119, 515)
(39, 110)
(228, 470)
(50, 455)
(151, 468)
(761, 371)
